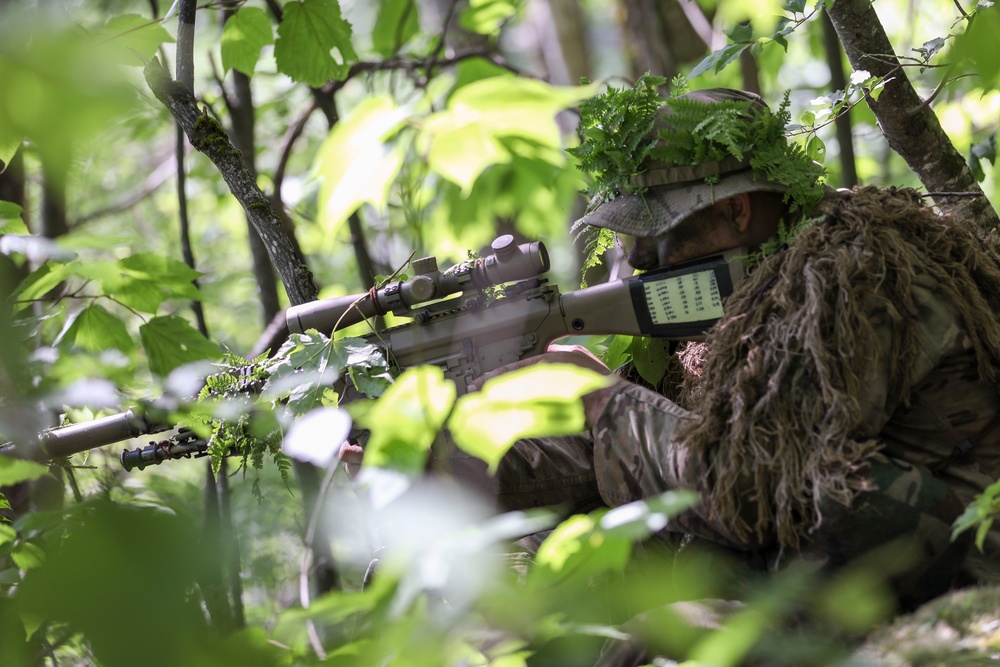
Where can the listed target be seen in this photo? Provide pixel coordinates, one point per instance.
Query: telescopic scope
(508, 262)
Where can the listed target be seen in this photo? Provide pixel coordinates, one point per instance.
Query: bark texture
(910, 126)
(208, 136)
(659, 36)
(241, 110)
(570, 26)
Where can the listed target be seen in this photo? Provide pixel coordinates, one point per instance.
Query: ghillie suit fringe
(786, 423)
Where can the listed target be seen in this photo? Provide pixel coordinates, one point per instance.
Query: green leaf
(764, 12)
(145, 280)
(142, 295)
(642, 518)
(978, 45)
(151, 266)
(462, 153)
(10, 216)
(650, 357)
(617, 351)
(979, 514)
(577, 550)
(170, 341)
(135, 38)
(468, 136)
(371, 384)
(486, 16)
(14, 471)
(816, 149)
(10, 143)
(407, 418)
(356, 164)
(27, 555)
(542, 399)
(244, 35)
(307, 396)
(471, 70)
(984, 150)
(397, 22)
(7, 534)
(307, 365)
(729, 54)
(930, 48)
(313, 353)
(95, 329)
(718, 60)
(310, 30)
(742, 32)
(60, 90)
(855, 600)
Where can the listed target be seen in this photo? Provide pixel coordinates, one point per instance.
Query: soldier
(848, 398)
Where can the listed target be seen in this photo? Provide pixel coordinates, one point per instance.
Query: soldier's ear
(739, 210)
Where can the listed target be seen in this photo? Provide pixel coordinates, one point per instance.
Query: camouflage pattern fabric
(941, 447)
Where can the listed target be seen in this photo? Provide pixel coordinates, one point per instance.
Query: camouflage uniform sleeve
(636, 456)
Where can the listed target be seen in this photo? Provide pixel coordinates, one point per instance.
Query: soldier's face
(704, 233)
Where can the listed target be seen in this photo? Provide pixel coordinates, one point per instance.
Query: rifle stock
(466, 335)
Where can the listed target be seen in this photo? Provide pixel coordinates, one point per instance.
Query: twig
(288, 141)
(304, 598)
(154, 180)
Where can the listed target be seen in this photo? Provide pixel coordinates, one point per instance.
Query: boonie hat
(675, 191)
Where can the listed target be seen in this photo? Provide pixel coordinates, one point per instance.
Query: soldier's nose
(643, 256)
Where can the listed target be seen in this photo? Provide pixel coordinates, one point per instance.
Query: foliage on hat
(614, 148)
(695, 136)
(613, 128)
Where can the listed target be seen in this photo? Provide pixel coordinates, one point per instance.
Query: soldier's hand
(351, 455)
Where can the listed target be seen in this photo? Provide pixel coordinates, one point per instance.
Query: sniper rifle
(459, 323)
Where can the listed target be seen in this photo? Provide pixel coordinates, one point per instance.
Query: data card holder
(684, 301)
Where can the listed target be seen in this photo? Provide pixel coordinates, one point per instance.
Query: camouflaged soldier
(847, 400)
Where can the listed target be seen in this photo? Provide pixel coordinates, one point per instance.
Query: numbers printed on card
(692, 297)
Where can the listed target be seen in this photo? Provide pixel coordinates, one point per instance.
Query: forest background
(356, 136)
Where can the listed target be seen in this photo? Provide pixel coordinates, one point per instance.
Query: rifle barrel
(75, 438)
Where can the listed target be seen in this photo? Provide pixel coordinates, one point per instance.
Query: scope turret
(508, 262)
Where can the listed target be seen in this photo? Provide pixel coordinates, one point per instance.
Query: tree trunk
(659, 36)
(53, 218)
(909, 125)
(571, 58)
(838, 81)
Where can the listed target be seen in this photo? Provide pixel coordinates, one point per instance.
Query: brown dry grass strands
(781, 429)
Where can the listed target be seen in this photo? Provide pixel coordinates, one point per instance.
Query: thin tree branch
(208, 136)
(185, 74)
(287, 143)
(153, 182)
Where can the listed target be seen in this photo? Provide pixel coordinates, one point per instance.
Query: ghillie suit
(785, 429)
